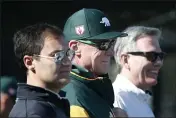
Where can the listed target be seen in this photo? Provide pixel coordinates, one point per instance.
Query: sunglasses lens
(153, 56)
(59, 56)
(161, 56)
(106, 45)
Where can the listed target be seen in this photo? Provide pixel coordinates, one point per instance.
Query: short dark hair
(30, 40)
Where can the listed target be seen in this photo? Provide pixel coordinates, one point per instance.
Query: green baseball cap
(91, 24)
(8, 85)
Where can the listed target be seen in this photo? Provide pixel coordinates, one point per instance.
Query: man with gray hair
(140, 57)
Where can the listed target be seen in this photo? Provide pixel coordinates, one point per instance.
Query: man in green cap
(90, 91)
(8, 95)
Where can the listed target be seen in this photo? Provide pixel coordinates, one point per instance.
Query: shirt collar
(129, 86)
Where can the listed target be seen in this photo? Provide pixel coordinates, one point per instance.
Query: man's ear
(74, 45)
(28, 62)
(124, 60)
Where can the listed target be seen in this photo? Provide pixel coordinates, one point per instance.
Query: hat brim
(109, 35)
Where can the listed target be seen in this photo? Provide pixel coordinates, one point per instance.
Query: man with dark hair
(42, 51)
(90, 91)
(8, 94)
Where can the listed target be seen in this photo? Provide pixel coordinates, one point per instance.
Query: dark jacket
(38, 102)
(91, 97)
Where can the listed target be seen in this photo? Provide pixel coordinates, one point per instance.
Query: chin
(152, 81)
(64, 80)
(102, 73)
(104, 70)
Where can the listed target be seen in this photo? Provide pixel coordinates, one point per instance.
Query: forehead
(53, 43)
(148, 43)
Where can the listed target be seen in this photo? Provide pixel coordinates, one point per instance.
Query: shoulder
(76, 109)
(40, 108)
(31, 108)
(122, 99)
(117, 84)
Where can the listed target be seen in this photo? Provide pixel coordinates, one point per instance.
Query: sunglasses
(151, 56)
(59, 56)
(103, 45)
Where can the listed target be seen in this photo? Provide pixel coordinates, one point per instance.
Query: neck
(35, 81)
(77, 61)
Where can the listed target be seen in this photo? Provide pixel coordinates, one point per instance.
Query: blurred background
(16, 15)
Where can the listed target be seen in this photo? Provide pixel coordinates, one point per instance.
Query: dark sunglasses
(151, 56)
(103, 45)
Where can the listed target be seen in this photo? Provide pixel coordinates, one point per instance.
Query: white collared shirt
(131, 99)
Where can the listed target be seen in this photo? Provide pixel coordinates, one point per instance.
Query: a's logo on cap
(105, 21)
(79, 30)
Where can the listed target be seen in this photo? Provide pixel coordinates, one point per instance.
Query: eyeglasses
(59, 56)
(151, 56)
(101, 45)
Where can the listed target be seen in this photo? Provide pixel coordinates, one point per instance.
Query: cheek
(144, 68)
(47, 68)
(95, 61)
(99, 64)
(145, 77)
(135, 64)
(96, 56)
(150, 78)
(137, 67)
(86, 56)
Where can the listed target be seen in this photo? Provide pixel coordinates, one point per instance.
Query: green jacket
(89, 97)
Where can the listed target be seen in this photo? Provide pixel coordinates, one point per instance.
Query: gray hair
(128, 44)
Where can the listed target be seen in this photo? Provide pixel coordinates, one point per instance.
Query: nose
(158, 62)
(110, 51)
(66, 61)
